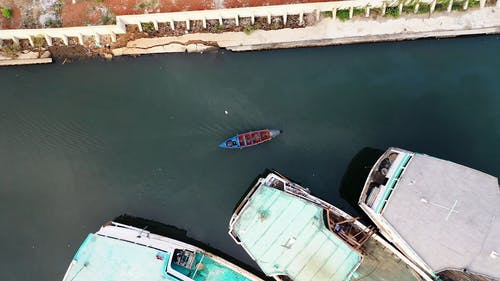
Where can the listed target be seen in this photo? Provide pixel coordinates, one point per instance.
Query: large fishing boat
(443, 216)
(119, 252)
(293, 235)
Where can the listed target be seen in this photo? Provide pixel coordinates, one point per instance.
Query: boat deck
(107, 258)
(449, 215)
(101, 258)
(296, 236)
(253, 138)
(379, 264)
(287, 236)
(211, 270)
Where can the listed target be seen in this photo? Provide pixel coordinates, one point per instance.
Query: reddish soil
(253, 3)
(95, 12)
(14, 22)
(82, 13)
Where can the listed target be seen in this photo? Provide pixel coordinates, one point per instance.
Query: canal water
(84, 142)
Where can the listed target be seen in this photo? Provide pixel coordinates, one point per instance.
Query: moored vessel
(293, 235)
(119, 252)
(249, 139)
(443, 216)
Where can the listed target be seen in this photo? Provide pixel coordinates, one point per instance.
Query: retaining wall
(251, 12)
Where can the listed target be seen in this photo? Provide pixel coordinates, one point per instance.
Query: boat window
(182, 261)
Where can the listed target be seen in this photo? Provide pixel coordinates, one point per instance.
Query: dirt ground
(31, 13)
(55, 13)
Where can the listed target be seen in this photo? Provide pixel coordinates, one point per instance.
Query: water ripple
(48, 134)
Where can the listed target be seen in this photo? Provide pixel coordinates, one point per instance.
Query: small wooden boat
(250, 139)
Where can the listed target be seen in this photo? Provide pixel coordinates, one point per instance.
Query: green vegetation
(6, 12)
(249, 29)
(11, 50)
(457, 6)
(474, 3)
(106, 19)
(409, 9)
(327, 14)
(392, 12)
(424, 8)
(39, 42)
(151, 4)
(53, 23)
(148, 27)
(343, 14)
(99, 1)
(220, 27)
(442, 6)
(358, 11)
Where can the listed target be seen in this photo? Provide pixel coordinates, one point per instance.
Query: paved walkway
(328, 32)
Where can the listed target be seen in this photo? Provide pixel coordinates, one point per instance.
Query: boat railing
(348, 230)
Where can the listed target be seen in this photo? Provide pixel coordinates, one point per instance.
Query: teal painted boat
(293, 235)
(119, 252)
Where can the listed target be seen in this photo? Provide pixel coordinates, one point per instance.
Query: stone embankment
(266, 27)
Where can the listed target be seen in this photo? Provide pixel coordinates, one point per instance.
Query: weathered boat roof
(287, 236)
(102, 258)
(447, 214)
(125, 253)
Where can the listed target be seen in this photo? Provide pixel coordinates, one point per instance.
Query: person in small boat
(230, 143)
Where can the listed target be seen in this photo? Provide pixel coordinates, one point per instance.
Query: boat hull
(249, 139)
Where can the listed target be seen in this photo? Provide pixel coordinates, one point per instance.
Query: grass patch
(442, 6)
(358, 11)
(457, 6)
(148, 27)
(327, 14)
(108, 19)
(343, 14)
(53, 23)
(6, 12)
(11, 50)
(392, 12)
(39, 42)
(409, 9)
(220, 27)
(249, 29)
(474, 3)
(99, 1)
(424, 8)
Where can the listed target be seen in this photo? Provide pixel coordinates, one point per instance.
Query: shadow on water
(355, 176)
(176, 233)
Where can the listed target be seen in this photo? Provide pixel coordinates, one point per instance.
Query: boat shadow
(354, 177)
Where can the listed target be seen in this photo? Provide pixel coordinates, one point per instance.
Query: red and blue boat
(249, 139)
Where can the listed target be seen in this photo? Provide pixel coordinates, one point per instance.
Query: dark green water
(82, 143)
